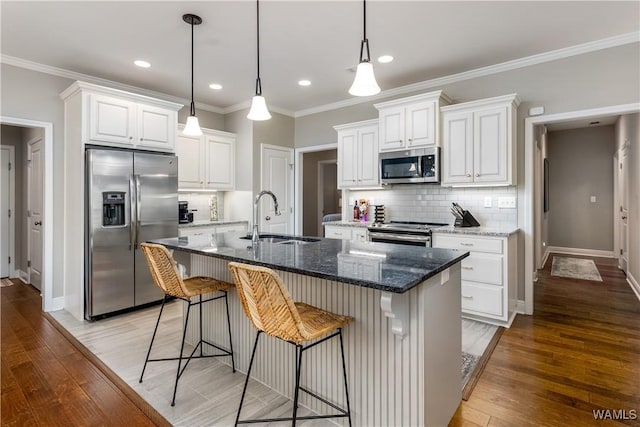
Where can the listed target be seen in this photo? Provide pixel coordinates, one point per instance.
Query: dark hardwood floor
(45, 379)
(579, 352)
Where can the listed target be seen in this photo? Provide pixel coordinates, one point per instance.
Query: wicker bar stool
(166, 276)
(270, 309)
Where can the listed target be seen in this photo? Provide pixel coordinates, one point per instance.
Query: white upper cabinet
(206, 162)
(116, 118)
(479, 142)
(358, 154)
(412, 122)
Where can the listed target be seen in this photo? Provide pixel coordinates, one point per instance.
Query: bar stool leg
(246, 381)
(297, 390)
(153, 337)
(226, 302)
(184, 334)
(200, 312)
(344, 373)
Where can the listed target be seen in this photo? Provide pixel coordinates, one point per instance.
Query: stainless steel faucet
(256, 235)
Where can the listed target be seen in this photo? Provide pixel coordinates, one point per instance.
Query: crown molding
(60, 72)
(527, 61)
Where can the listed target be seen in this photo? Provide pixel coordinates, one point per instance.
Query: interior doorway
(329, 196)
(7, 211)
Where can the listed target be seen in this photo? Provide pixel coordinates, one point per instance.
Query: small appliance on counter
(184, 215)
(463, 217)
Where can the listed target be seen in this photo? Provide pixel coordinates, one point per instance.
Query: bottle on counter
(356, 211)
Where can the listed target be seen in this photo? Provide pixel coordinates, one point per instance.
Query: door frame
(298, 174)
(289, 175)
(49, 303)
(528, 215)
(12, 208)
(320, 184)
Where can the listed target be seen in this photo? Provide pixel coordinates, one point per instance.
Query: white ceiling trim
(553, 55)
(60, 72)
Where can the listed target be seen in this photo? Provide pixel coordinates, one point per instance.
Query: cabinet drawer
(337, 233)
(482, 299)
(483, 268)
(476, 244)
(359, 234)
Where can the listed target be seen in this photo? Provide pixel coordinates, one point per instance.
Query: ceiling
(314, 40)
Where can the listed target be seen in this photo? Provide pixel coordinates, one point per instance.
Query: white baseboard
(520, 307)
(23, 276)
(579, 251)
(635, 286)
(56, 304)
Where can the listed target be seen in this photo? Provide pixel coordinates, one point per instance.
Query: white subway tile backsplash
(433, 203)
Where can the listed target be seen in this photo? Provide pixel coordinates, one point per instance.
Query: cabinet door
(111, 120)
(190, 152)
(391, 129)
(490, 145)
(347, 158)
(457, 157)
(420, 128)
(156, 128)
(367, 156)
(220, 155)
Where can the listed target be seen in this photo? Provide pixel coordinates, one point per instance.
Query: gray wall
(310, 189)
(12, 135)
(206, 119)
(581, 166)
(628, 129)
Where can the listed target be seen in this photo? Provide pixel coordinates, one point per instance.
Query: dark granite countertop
(383, 266)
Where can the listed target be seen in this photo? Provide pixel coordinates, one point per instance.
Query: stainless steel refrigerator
(131, 197)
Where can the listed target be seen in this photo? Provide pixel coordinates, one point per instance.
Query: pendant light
(258, 109)
(365, 82)
(192, 127)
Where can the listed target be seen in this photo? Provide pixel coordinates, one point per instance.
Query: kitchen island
(404, 348)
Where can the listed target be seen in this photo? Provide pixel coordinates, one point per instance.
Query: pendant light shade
(259, 110)
(365, 82)
(192, 127)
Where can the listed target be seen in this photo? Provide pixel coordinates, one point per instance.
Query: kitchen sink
(284, 239)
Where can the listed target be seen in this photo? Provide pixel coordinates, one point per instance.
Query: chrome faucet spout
(256, 233)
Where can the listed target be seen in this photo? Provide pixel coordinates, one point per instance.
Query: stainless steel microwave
(410, 166)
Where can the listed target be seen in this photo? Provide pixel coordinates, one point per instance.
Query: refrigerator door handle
(138, 211)
(132, 221)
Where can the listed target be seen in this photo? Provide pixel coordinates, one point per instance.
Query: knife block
(467, 220)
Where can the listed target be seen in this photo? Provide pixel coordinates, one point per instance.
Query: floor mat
(575, 268)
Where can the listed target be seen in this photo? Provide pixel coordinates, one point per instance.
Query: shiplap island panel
(402, 370)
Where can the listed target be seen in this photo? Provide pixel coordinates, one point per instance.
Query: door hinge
(9, 260)
(28, 263)
(9, 165)
(620, 251)
(9, 213)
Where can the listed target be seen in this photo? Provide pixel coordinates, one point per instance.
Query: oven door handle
(401, 237)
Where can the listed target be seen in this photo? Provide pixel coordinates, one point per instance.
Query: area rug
(473, 365)
(6, 282)
(575, 268)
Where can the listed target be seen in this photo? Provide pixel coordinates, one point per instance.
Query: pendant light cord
(258, 83)
(193, 107)
(365, 42)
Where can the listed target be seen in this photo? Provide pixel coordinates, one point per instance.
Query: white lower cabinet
(489, 274)
(359, 234)
(210, 229)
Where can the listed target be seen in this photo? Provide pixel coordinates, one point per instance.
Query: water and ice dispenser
(113, 208)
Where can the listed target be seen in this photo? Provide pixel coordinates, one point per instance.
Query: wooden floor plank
(579, 352)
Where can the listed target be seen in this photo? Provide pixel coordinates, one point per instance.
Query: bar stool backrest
(164, 270)
(267, 303)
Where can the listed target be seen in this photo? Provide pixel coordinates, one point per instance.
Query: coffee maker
(184, 216)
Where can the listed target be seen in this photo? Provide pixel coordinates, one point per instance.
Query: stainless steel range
(403, 232)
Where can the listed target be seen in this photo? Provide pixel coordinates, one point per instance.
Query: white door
(420, 120)
(156, 127)
(490, 145)
(35, 166)
(392, 129)
(347, 155)
(277, 177)
(5, 213)
(221, 172)
(457, 156)
(111, 120)
(623, 187)
(191, 162)
(368, 156)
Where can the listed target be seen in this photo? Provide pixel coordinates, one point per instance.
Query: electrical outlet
(507, 202)
(487, 202)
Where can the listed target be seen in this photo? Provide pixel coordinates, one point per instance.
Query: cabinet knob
(409, 139)
(468, 175)
(130, 137)
(267, 218)
(141, 139)
(477, 175)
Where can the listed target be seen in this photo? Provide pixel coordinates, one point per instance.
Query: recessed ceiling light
(142, 64)
(385, 58)
(304, 83)
(215, 86)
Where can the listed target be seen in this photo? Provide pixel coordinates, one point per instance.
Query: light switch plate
(487, 202)
(507, 202)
